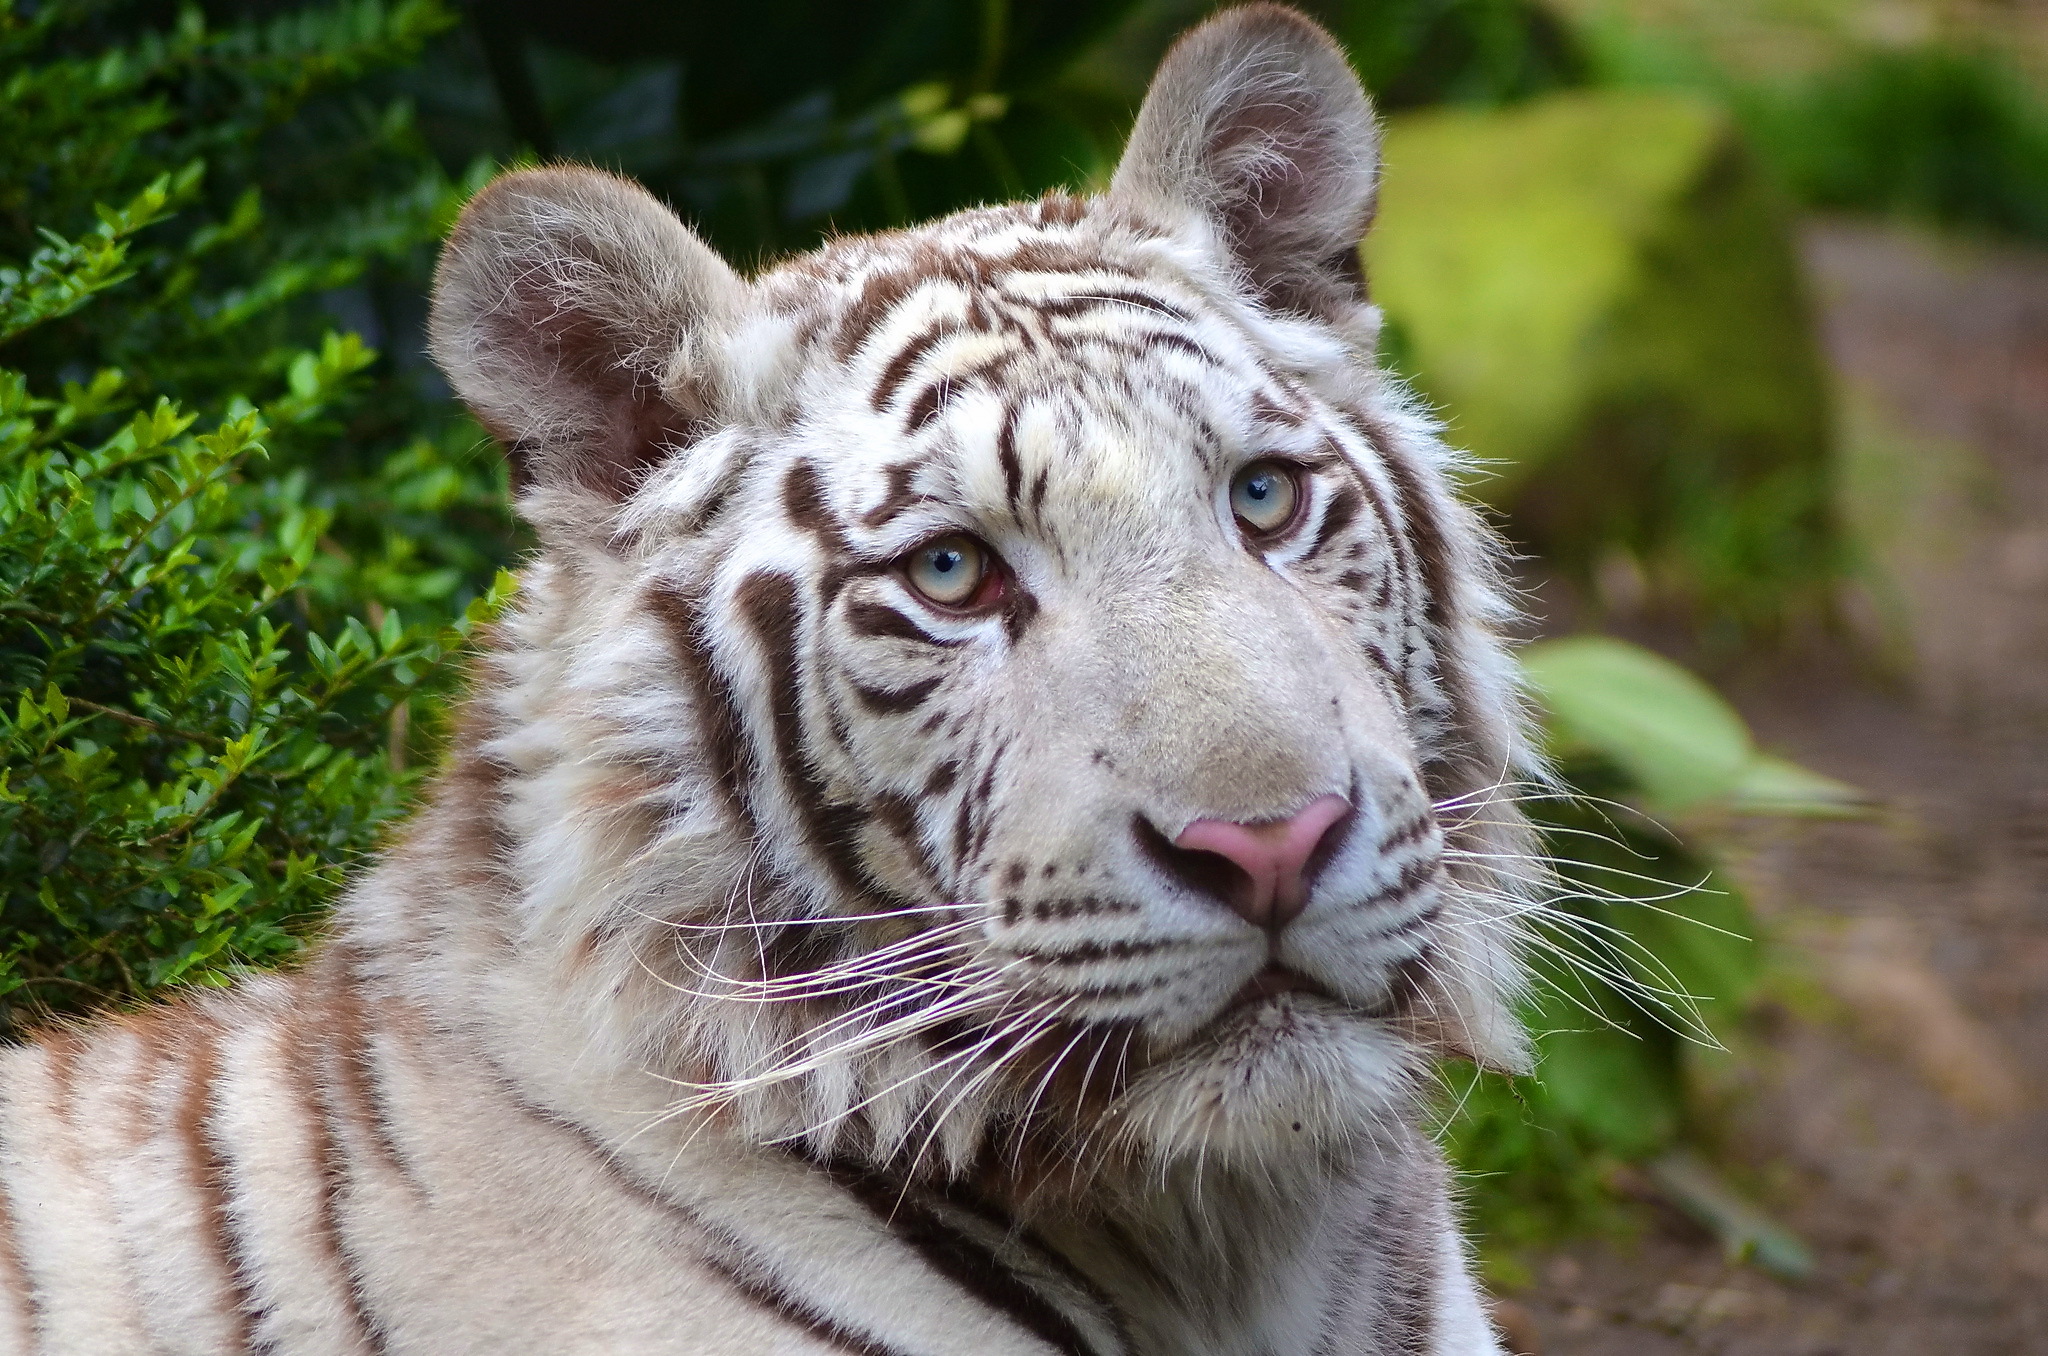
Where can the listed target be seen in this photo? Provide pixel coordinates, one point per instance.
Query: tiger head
(1022, 680)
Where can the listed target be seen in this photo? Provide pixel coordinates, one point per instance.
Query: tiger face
(1024, 680)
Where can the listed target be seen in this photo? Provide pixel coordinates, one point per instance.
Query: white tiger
(986, 805)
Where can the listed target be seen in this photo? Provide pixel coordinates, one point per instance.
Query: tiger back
(989, 797)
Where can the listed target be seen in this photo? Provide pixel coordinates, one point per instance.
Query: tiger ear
(1257, 134)
(577, 318)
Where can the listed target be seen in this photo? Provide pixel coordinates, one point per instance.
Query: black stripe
(332, 1170)
(1006, 453)
(984, 790)
(1085, 952)
(896, 701)
(1042, 255)
(1401, 835)
(769, 604)
(803, 499)
(963, 827)
(879, 296)
(792, 1309)
(1426, 538)
(1266, 407)
(1341, 513)
(1039, 484)
(879, 619)
(1144, 344)
(356, 1065)
(898, 370)
(898, 814)
(1406, 882)
(963, 1260)
(929, 402)
(1088, 301)
(968, 1201)
(897, 494)
(1018, 612)
(711, 697)
(211, 1176)
(739, 1268)
(1418, 547)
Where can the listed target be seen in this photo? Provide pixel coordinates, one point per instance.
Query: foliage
(1947, 135)
(1949, 130)
(286, 187)
(1649, 955)
(224, 623)
(773, 123)
(1416, 53)
(1678, 744)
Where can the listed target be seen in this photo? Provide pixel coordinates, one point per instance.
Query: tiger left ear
(1256, 133)
(580, 322)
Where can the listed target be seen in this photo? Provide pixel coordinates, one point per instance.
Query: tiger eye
(949, 571)
(1263, 496)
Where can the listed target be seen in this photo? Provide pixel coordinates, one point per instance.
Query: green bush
(235, 555)
(1603, 294)
(1944, 135)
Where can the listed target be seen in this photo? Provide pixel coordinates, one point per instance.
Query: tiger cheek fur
(992, 790)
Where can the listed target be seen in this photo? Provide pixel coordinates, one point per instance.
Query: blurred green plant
(1416, 53)
(1602, 293)
(1646, 958)
(774, 123)
(1949, 130)
(1950, 136)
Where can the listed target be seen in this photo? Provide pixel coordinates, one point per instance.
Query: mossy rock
(1601, 294)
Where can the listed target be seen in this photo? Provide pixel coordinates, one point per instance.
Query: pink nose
(1274, 857)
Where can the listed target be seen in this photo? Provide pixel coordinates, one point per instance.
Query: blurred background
(1741, 305)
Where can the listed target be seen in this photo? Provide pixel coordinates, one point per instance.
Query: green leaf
(1773, 786)
(1673, 736)
(1613, 1086)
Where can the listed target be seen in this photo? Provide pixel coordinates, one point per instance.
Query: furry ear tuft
(1257, 131)
(574, 315)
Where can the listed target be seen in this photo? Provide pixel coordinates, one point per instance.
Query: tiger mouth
(1272, 982)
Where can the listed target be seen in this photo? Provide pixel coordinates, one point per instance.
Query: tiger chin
(993, 791)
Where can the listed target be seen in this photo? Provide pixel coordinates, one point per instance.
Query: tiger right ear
(577, 318)
(1257, 135)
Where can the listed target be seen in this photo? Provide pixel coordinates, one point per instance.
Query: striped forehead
(1009, 392)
